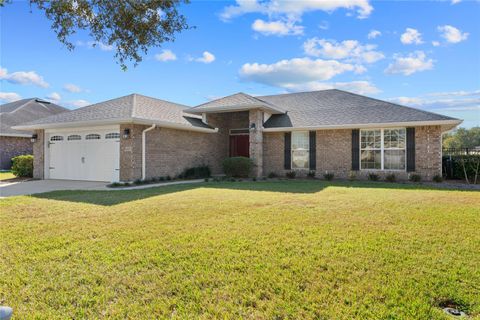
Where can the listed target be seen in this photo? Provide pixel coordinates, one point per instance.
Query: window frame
(74, 135)
(91, 135)
(112, 135)
(292, 150)
(382, 149)
(57, 136)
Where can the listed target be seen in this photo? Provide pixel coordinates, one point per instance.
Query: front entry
(240, 145)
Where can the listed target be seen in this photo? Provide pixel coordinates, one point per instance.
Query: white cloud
(96, 44)
(54, 96)
(455, 1)
(207, 57)
(72, 88)
(23, 77)
(351, 50)
(166, 55)
(360, 87)
(78, 103)
(411, 36)
(407, 65)
(374, 34)
(452, 34)
(9, 96)
(278, 28)
(294, 9)
(324, 25)
(287, 73)
(438, 105)
(435, 43)
(455, 93)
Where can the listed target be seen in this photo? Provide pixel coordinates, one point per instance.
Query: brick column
(256, 141)
(39, 155)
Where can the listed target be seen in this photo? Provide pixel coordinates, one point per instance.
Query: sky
(424, 54)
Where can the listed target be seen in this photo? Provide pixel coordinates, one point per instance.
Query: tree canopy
(130, 26)
(463, 138)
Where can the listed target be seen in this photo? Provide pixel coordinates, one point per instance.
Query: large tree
(130, 26)
(463, 138)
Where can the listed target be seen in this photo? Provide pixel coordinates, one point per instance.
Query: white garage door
(84, 155)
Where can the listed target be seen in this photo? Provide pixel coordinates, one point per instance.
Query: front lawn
(259, 250)
(6, 175)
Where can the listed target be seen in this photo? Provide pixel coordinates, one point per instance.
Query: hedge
(453, 167)
(239, 167)
(22, 166)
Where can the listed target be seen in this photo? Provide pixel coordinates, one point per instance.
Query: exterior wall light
(252, 127)
(34, 138)
(126, 133)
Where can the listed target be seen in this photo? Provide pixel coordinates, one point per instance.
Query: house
(135, 137)
(15, 142)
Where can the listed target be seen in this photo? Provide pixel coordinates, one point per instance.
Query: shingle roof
(17, 112)
(127, 108)
(235, 102)
(336, 107)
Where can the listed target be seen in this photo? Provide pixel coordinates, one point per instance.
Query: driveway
(17, 188)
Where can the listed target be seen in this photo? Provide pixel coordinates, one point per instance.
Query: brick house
(15, 142)
(135, 137)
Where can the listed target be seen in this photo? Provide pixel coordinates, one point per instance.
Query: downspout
(143, 149)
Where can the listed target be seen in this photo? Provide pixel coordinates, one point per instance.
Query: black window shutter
(313, 150)
(410, 149)
(355, 149)
(288, 151)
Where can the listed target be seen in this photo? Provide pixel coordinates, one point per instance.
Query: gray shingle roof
(127, 108)
(21, 111)
(234, 102)
(335, 107)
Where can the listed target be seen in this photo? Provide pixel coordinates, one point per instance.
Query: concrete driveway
(8, 189)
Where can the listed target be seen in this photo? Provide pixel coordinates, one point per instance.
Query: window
(56, 138)
(74, 137)
(92, 136)
(300, 149)
(112, 135)
(239, 131)
(383, 149)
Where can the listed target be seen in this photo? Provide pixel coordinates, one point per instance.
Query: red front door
(240, 146)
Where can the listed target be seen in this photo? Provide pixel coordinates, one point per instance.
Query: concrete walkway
(18, 188)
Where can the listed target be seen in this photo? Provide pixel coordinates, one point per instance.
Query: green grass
(258, 250)
(5, 175)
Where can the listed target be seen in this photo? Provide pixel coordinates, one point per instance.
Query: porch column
(256, 141)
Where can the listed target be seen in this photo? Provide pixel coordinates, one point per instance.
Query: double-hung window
(383, 149)
(300, 149)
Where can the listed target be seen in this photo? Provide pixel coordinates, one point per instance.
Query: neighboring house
(135, 137)
(14, 142)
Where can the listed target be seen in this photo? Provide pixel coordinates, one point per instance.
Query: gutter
(144, 136)
(18, 135)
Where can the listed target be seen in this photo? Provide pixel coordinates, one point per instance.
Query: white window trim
(382, 149)
(291, 152)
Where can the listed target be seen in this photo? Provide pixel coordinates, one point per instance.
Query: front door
(240, 146)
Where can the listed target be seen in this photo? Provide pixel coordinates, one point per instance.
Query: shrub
(254, 179)
(291, 174)
(23, 166)
(373, 177)
(161, 179)
(414, 177)
(311, 174)
(168, 178)
(272, 175)
(352, 176)
(437, 178)
(240, 167)
(196, 173)
(138, 182)
(328, 176)
(206, 179)
(390, 177)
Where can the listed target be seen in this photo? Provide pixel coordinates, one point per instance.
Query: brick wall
(334, 148)
(11, 147)
(39, 155)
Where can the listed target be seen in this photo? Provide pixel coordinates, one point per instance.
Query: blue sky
(423, 54)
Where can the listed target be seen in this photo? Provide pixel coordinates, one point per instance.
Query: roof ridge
(299, 92)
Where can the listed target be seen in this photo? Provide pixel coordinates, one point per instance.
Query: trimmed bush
(196, 173)
(373, 177)
(328, 176)
(239, 167)
(272, 175)
(414, 177)
(291, 174)
(311, 174)
(437, 178)
(22, 166)
(390, 177)
(352, 176)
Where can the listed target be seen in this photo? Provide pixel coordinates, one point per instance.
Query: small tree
(23, 166)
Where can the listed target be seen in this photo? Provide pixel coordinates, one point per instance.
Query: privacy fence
(461, 164)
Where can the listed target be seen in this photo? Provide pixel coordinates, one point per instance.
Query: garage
(83, 154)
